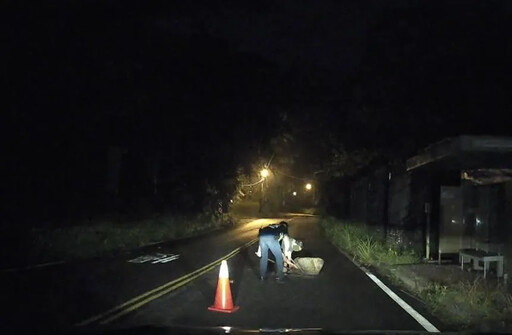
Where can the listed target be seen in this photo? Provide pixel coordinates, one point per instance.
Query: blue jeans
(270, 242)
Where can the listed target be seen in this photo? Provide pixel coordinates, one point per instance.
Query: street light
(294, 193)
(308, 186)
(264, 173)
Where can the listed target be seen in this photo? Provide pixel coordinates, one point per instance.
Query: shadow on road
(238, 266)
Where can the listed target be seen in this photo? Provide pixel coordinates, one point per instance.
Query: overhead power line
(289, 176)
(256, 183)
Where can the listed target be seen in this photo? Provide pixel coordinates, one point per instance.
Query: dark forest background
(108, 108)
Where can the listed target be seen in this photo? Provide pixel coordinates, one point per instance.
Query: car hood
(157, 330)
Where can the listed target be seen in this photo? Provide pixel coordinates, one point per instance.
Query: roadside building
(455, 194)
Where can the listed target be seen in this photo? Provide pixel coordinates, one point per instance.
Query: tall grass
(461, 304)
(468, 303)
(104, 237)
(366, 245)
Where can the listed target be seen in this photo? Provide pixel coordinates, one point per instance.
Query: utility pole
(264, 174)
(428, 209)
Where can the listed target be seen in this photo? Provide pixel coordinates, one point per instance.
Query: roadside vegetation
(104, 237)
(110, 235)
(365, 245)
(472, 304)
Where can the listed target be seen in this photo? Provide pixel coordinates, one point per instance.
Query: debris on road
(309, 266)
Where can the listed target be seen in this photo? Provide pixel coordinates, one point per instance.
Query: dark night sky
(287, 33)
(206, 86)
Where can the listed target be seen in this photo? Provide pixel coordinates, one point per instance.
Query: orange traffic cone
(223, 301)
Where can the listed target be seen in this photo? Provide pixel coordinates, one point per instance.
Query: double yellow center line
(145, 298)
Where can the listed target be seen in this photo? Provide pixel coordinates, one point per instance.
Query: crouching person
(269, 240)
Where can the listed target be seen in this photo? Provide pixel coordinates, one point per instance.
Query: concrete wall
(376, 198)
(392, 205)
(399, 200)
(408, 193)
(507, 227)
(358, 199)
(396, 205)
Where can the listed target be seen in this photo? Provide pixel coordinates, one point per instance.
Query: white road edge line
(412, 312)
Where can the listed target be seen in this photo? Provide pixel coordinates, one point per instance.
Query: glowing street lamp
(264, 174)
(308, 186)
(294, 193)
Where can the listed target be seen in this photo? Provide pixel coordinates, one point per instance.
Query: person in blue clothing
(269, 238)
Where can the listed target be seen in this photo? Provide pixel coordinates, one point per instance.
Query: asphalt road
(113, 293)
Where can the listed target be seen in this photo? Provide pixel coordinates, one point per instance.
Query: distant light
(294, 194)
(264, 173)
(231, 201)
(478, 222)
(227, 330)
(309, 186)
(453, 221)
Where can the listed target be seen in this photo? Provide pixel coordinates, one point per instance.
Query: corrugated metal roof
(466, 152)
